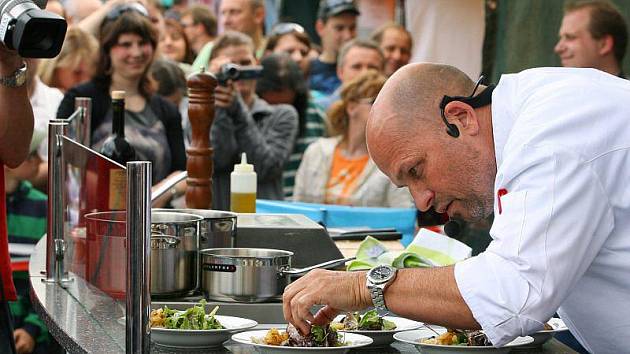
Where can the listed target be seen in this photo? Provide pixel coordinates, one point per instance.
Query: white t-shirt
(45, 101)
(561, 233)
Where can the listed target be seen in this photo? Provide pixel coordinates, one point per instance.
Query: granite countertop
(83, 319)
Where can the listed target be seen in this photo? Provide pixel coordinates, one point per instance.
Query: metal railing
(138, 296)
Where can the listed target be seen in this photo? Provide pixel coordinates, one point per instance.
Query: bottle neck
(118, 117)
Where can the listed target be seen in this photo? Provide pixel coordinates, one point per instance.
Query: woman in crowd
(338, 170)
(152, 124)
(282, 81)
(174, 45)
(75, 63)
(290, 38)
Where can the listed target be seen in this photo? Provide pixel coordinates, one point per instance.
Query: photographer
(16, 128)
(246, 123)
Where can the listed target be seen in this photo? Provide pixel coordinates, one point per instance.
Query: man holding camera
(246, 123)
(16, 127)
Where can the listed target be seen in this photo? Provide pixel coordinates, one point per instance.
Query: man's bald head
(417, 89)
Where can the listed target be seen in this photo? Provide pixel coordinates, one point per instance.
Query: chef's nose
(422, 196)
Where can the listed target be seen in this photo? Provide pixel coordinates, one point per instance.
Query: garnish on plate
(320, 336)
(461, 338)
(192, 318)
(370, 321)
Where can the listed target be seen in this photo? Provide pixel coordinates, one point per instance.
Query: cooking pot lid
(246, 252)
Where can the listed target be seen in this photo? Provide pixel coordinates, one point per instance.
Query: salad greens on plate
(370, 321)
(192, 318)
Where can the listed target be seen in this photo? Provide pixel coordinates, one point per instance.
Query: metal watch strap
(378, 299)
(15, 79)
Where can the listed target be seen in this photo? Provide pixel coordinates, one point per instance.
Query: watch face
(381, 273)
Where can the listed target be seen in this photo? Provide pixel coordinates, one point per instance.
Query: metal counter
(83, 319)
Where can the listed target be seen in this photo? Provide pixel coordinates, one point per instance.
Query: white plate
(415, 338)
(351, 340)
(543, 336)
(207, 338)
(383, 338)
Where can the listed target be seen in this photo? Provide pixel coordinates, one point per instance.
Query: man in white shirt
(548, 151)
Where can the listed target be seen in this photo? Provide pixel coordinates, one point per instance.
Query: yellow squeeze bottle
(243, 187)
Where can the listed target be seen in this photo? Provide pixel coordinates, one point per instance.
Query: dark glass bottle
(117, 148)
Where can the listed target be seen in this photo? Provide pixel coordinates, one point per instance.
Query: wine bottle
(117, 148)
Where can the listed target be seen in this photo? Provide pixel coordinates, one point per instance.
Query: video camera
(30, 30)
(237, 72)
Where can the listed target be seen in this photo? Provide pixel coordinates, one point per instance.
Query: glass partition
(94, 218)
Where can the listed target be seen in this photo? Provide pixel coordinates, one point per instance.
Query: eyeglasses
(483, 99)
(130, 7)
(366, 100)
(286, 28)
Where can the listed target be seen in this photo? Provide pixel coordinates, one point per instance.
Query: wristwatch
(17, 79)
(378, 279)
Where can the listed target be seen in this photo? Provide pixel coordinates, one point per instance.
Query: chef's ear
(463, 116)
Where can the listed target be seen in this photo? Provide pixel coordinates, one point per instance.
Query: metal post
(138, 256)
(55, 244)
(82, 126)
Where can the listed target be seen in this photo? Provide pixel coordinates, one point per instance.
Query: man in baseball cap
(336, 24)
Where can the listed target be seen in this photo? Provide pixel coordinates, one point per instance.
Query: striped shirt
(26, 214)
(26, 224)
(315, 128)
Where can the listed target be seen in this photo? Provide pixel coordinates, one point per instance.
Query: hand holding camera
(224, 95)
(31, 31)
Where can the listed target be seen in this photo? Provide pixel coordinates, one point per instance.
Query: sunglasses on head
(285, 28)
(130, 7)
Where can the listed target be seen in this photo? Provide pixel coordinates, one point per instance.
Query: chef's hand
(24, 343)
(337, 291)
(224, 96)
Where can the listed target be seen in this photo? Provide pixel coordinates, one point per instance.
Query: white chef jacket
(561, 232)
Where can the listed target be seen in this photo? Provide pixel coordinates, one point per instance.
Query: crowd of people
(303, 126)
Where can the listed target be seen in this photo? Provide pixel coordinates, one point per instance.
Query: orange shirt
(343, 177)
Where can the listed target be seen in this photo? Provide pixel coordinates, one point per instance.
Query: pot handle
(300, 271)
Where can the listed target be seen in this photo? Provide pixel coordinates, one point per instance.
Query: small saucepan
(250, 274)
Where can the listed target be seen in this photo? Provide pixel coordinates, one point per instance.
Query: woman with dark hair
(152, 124)
(282, 81)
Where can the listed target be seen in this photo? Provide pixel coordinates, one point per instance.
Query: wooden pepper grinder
(199, 155)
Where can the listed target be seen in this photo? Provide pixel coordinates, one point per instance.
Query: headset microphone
(483, 99)
(453, 228)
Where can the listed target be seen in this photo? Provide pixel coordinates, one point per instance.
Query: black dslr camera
(31, 31)
(237, 72)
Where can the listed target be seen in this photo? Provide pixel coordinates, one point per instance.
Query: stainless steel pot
(174, 252)
(217, 229)
(249, 274)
